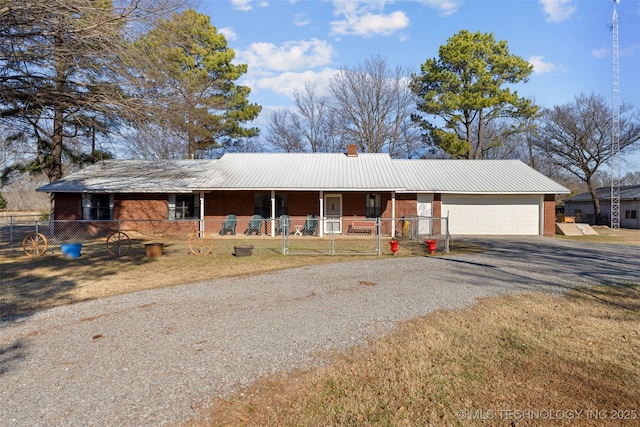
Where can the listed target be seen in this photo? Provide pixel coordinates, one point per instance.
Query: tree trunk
(55, 171)
(596, 202)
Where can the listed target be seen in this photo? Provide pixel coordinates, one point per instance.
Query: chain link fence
(287, 235)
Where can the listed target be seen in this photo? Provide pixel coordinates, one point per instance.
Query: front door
(333, 213)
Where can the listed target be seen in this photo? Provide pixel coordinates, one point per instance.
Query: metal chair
(284, 224)
(229, 225)
(310, 225)
(255, 225)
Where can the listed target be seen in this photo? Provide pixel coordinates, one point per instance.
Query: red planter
(394, 246)
(431, 244)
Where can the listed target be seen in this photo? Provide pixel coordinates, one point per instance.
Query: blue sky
(289, 42)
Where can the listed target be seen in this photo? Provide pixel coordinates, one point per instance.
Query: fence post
(285, 235)
(378, 234)
(11, 228)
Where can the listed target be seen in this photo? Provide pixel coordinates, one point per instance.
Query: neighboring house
(479, 196)
(581, 206)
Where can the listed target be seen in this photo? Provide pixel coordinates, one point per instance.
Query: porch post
(202, 211)
(321, 216)
(273, 213)
(393, 214)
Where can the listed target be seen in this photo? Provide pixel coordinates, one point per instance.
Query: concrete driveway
(149, 357)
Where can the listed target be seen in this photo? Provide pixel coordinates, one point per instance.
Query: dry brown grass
(606, 235)
(548, 356)
(34, 283)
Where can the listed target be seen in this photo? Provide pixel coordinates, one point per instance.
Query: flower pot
(154, 250)
(394, 246)
(431, 244)
(243, 250)
(71, 250)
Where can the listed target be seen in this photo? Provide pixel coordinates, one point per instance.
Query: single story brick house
(479, 196)
(581, 206)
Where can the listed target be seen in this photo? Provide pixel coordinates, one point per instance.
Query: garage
(483, 214)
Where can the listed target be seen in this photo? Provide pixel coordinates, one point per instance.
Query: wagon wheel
(200, 243)
(34, 244)
(118, 243)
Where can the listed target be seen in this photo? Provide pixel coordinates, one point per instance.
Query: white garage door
(492, 214)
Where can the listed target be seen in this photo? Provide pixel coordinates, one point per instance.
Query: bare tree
(283, 132)
(631, 178)
(372, 107)
(310, 127)
(314, 121)
(577, 137)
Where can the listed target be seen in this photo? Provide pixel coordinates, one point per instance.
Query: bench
(361, 227)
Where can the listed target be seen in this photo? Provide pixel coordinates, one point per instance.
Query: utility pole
(615, 129)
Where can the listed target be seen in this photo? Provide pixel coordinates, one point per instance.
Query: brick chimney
(352, 150)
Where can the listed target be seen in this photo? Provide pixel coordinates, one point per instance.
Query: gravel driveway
(147, 358)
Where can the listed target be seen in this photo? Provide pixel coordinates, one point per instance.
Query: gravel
(150, 358)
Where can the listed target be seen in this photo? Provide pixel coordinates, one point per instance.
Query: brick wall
(549, 228)
(67, 207)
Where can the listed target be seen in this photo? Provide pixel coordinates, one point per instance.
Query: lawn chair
(310, 225)
(229, 225)
(255, 225)
(284, 224)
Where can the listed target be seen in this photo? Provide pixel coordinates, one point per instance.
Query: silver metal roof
(137, 176)
(475, 176)
(627, 192)
(308, 172)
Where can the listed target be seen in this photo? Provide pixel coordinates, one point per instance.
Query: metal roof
(307, 172)
(627, 192)
(137, 176)
(475, 176)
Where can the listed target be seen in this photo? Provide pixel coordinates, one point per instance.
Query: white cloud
(371, 24)
(366, 18)
(603, 52)
(446, 7)
(242, 4)
(246, 5)
(300, 20)
(630, 50)
(228, 33)
(539, 66)
(292, 55)
(287, 83)
(558, 10)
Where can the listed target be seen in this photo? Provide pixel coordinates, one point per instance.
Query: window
(184, 206)
(263, 205)
(97, 207)
(630, 214)
(374, 206)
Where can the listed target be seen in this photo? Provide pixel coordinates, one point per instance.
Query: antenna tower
(615, 131)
